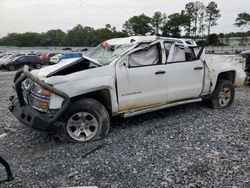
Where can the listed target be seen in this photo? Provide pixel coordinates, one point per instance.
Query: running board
(138, 112)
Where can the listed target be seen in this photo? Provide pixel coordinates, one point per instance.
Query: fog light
(43, 105)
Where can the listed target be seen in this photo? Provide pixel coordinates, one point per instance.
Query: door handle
(198, 68)
(160, 72)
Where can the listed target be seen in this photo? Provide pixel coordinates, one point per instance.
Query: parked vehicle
(45, 58)
(127, 77)
(246, 55)
(67, 48)
(84, 50)
(18, 62)
(69, 55)
(7, 58)
(55, 59)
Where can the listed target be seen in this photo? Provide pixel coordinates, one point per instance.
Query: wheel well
(229, 75)
(103, 96)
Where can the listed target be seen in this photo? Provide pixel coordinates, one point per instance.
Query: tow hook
(8, 170)
(11, 98)
(11, 108)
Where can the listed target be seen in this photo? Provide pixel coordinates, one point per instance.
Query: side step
(147, 110)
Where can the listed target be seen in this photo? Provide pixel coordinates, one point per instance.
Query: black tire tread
(212, 102)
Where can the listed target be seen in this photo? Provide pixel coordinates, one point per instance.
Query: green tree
(212, 39)
(157, 22)
(213, 14)
(53, 38)
(174, 25)
(202, 25)
(243, 20)
(221, 37)
(80, 36)
(194, 10)
(25, 39)
(138, 25)
(189, 10)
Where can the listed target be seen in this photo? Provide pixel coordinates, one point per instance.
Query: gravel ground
(185, 146)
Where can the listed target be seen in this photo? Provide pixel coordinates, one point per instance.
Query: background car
(45, 58)
(55, 59)
(246, 55)
(69, 55)
(18, 62)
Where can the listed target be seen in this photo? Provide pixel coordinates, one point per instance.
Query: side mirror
(125, 62)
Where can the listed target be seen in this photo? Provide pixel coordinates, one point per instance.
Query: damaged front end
(32, 101)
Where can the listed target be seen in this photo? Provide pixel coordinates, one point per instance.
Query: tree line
(195, 21)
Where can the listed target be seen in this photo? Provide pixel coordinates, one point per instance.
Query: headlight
(39, 97)
(39, 104)
(38, 90)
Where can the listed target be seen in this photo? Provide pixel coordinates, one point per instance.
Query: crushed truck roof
(140, 39)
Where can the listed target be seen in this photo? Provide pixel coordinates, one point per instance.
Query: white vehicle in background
(126, 77)
(55, 59)
(5, 58)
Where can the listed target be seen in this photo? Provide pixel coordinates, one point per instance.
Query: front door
(139, 79)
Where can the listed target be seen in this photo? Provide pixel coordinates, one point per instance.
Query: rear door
(184, 74)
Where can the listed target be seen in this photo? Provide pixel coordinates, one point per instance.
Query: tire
(38, 66)
(11, 68)
(86, 120)
(223, 95)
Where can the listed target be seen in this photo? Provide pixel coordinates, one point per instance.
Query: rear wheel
(86, 120)
(222, 96)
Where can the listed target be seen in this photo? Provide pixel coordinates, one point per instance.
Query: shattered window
(182, 54)
(105, 53)
(145, 57)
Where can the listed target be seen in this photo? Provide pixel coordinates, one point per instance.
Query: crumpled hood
(48, 70)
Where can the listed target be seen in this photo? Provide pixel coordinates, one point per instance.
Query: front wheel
(86, 120)
(11, 68)
(223, 95)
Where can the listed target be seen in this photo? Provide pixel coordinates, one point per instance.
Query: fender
(220, 64)
(83, 82)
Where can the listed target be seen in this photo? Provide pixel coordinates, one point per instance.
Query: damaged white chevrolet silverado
(126, 76)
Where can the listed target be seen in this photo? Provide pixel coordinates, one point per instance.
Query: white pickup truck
(127, 77)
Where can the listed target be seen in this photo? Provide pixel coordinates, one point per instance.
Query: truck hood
(66, 63)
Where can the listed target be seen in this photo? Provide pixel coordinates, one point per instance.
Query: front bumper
(29, 116)
(25, 112)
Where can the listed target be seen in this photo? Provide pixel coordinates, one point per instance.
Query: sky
(42, 15)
